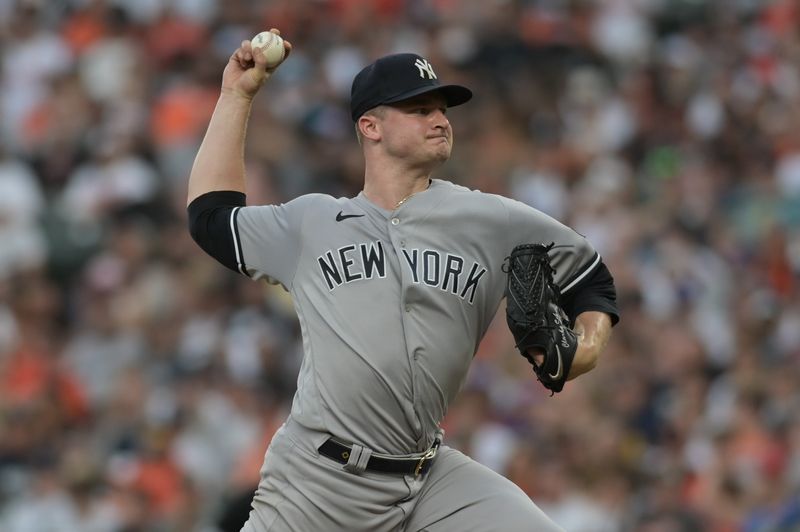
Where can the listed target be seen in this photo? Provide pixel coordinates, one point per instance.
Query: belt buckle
(427, 456)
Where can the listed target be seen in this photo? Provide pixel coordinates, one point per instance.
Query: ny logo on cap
(424, 68)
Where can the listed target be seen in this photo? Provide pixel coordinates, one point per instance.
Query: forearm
(593, 330)
(219, 164)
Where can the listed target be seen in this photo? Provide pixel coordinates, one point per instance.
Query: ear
(369, 127)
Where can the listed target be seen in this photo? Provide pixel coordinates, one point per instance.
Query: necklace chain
(403, 200)
(407, 197)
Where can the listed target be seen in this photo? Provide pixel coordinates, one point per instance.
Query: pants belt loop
(358, 459)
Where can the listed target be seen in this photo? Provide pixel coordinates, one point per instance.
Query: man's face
(417, 129)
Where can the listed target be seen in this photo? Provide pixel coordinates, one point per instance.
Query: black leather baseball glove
(534, 316)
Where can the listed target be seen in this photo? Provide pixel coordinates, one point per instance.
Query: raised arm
(219, 164)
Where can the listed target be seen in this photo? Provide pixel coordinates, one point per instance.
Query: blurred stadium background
(140, 381)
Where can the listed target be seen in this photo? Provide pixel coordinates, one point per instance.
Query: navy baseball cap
(397, 77)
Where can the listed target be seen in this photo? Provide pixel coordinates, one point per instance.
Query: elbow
(209, 215)
(212, 225)
(195, 229)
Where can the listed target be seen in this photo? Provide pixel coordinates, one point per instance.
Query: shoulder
(314, 200)
(317, 208)
(477, 199)
(292, 213)
(324, 203)
(311, 201)
(453, 189)
(490, 207)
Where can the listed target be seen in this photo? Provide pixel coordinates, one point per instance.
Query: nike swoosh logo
(560, 369)
(340, 216)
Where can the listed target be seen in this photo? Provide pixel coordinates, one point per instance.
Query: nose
(440, 120)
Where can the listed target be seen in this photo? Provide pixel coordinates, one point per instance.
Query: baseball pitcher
(394, 289)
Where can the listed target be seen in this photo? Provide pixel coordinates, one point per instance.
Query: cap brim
(453, 94)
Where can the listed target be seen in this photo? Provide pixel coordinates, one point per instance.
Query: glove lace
(530, 281)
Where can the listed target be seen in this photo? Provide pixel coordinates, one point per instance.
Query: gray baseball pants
(302, 491)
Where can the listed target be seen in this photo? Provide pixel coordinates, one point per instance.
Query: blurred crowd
(140, 381)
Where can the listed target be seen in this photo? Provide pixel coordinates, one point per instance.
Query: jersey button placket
(414, 356)
(396, 221)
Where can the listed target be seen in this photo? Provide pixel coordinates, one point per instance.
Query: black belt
(381, 464)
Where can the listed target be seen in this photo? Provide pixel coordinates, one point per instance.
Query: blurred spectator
(22, 204)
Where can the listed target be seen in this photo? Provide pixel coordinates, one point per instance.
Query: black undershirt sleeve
(212, 224)
(595, 292)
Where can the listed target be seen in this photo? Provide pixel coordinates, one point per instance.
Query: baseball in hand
(271, 45)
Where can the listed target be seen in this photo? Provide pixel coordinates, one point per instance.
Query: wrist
(585, 360)
(236, 97)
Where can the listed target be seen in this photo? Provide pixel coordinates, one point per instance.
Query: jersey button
(402, 243)
(408, 308)
(395, 221)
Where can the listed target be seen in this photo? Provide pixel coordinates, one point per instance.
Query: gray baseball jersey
(393, 304)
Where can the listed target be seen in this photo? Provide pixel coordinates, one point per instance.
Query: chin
(435, 157)
(443, 152)
(439, 159)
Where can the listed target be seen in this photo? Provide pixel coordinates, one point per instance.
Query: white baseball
(271, 45)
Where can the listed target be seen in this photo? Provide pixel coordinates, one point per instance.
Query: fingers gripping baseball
(249, 68)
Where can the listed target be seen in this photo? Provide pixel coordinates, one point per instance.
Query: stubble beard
(442, 151)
